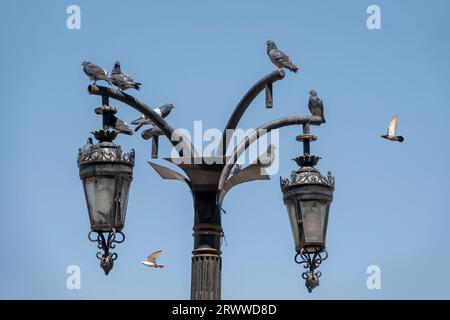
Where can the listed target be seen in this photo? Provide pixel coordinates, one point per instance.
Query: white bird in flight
(391, 131)
(151, 260)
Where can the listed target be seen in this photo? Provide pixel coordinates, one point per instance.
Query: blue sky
(389, 205)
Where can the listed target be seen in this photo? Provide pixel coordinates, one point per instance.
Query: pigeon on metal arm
(95, 72)
(391, 131)
(163, 111)
(315, 105)
(279, 58)
(121, 80)
(151, 260)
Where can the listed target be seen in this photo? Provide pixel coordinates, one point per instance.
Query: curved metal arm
(258, 133)
(162, 124)
(244, 104)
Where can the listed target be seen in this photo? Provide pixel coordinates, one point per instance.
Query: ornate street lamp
(209, 181)
(106, 174)
(307, 196)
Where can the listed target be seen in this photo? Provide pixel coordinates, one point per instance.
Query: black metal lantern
(307, 196)
(106, 174)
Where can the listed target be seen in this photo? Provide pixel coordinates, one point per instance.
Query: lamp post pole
(209, 178)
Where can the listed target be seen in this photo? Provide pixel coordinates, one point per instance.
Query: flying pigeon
(121, 80)
(163, 111)
(315, 105)
(151, 260)
(390, 135)
(279, 58)
(267, 158)
(95, 72)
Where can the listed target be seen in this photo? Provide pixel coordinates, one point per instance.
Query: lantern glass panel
(100, 200)
(123, 196)
(314, 214)
(294, 221)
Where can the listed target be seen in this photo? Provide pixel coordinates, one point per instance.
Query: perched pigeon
(315, 105)
(95, 72)
(113, 122)
(89, 144)
(121, 80)
(391, 131)
(279, 58)
(163, 111)
(236, 168)
(267, 158)
(151, 260)
(119, 125)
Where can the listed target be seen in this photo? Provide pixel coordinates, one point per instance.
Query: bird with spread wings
(391, 131)
(151, 260)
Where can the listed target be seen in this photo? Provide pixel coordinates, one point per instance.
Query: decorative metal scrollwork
(106, 244)
(309, 176)
(311, 261)
(102, 153)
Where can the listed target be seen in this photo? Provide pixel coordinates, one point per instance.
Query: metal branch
(245, 103)
(250, 173)
(162, 124)
(260, 132)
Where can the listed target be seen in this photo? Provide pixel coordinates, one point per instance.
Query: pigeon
(151, 260)
(95, 72)
(121, 80)
(163, 111)
(236, 168)
(390, 135)
(279, 58)
(267, 158)
(315, 105)
(119, 125)
(89, 144)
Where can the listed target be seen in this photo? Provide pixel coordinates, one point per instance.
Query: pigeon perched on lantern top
(163, 111)
(151, 260)
(121, 80)
(95, 72)
(279, 58)
(391, 131)
(315, 105)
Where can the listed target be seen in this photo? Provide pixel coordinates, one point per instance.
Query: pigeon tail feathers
(137, 85)
(292, 67)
